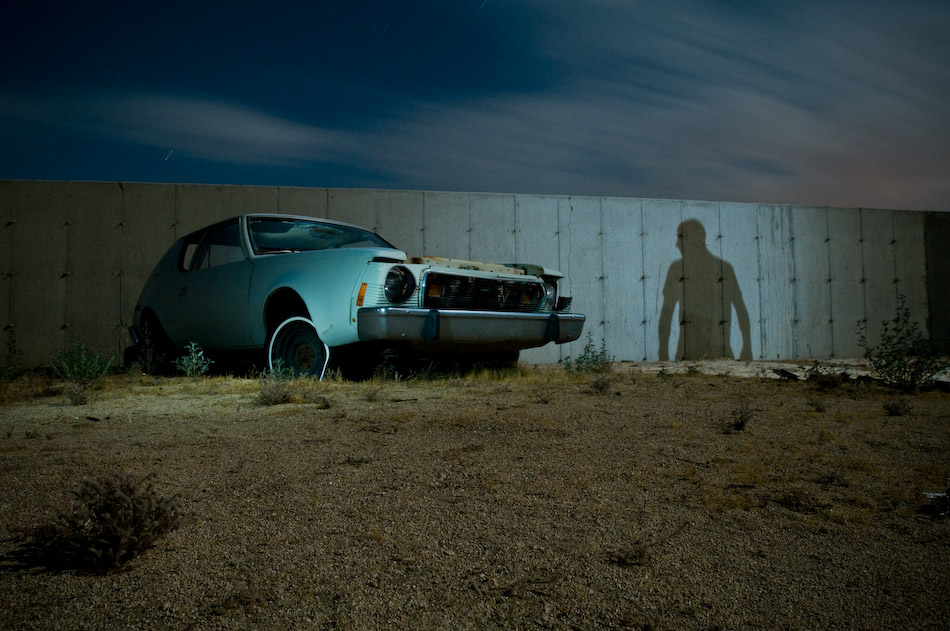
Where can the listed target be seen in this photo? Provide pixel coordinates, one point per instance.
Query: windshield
(270, 235)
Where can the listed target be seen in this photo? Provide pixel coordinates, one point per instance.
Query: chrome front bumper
(481, 330)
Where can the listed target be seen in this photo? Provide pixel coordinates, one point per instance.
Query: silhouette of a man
(706, 290)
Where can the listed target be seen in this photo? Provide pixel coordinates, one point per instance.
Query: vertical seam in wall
(725, 312)
(514, 253)
(9, 272)
(643, 285)
(894, 246)
(377, 202)
(864, 284)
(560, 253)
(425, 223)
(796, 314)
(175, 226)
(13, 268)
(121, 257)
(758, 277)
(69, 205)
(514, 230)
(830, 282)
(603, 268)
(680, 335)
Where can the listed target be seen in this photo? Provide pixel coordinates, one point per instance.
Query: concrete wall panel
(493, 228)
(623, 287)
(847, 288)
(39, 270)
(94, 267)
(252, 199)
(879, 268)
(812, 292)
(356, 206)
(309, 202)
(582, 260)
(911, 263)
(739, 248)
(448, 227)
(401, 221)
(198, 206)
(776, 274)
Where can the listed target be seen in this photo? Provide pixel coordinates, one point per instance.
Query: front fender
(327, 282)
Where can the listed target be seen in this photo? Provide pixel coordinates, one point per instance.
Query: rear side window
(218, 246)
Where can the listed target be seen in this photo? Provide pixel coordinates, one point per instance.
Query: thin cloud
(192, 126)
(748, 107)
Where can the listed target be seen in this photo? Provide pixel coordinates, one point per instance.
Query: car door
(212, 299)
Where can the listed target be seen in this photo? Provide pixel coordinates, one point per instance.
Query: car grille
(449, 291)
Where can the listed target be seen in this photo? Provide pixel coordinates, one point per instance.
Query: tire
(297, 346)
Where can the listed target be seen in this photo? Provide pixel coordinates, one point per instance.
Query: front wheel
(296, 345)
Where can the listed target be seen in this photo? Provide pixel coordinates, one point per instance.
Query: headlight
(400, 284)
(550, 293)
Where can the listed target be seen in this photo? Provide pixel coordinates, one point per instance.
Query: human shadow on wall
(706, 290)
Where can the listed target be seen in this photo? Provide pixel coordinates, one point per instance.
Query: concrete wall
(744, 280)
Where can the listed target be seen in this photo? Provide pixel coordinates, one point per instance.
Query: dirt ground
(701, 496)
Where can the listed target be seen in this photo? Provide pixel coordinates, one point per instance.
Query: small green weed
(904, 358)
(82, 369)
(81, 365)
(149, 358)
(590, 359)
(194, 364)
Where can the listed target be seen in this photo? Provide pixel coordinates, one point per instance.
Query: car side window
(218, 247)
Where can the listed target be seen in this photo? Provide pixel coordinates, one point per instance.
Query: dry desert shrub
(897, 407)
(114, 517)
(279, 386)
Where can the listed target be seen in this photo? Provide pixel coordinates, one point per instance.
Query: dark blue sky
(814, 102)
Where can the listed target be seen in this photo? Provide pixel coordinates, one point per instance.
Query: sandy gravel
(531, 500)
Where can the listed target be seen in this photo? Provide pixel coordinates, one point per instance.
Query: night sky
(841, 103)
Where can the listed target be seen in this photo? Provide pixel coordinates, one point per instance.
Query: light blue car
(299, 290)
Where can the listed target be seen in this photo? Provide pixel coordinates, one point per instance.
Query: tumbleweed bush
(114, 517)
